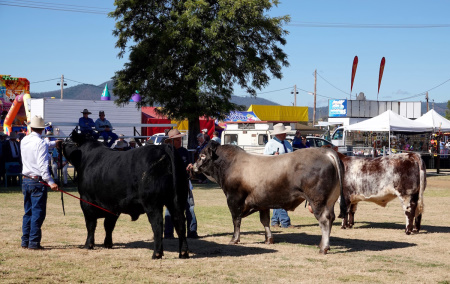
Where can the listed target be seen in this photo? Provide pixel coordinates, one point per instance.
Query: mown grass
(375, 251)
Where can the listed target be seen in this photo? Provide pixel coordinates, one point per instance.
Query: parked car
(157, 138)
(319, 142)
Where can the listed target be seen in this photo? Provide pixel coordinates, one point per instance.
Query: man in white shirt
(35, 168)
(278, 146)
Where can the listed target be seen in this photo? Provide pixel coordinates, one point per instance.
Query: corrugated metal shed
(69, 111)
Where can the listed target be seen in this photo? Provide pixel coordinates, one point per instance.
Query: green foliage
(187, 55)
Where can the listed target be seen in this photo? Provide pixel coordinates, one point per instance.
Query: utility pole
(62, 85)
(295, 95)
(426, 97)
(315, 89)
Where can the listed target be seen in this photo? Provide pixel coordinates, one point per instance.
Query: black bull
(254, 183)
(133, 182)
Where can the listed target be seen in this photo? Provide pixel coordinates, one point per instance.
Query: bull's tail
(340, 170)
(423, 184)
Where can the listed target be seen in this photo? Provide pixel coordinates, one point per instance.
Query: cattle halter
(62, 191)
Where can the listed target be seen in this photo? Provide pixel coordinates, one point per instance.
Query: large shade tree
(187, 56)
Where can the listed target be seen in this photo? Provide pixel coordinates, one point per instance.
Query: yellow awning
(280, 113)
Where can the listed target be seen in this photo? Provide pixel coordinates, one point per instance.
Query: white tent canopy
(435, 120)
(390, 121)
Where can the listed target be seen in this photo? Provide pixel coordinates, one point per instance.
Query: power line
(44, 81)
(423, 93)
(56, 7)
(332, 84)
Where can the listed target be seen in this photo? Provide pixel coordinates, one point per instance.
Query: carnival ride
(13, 93)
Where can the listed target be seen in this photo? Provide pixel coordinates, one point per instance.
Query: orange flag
(355, 64)
(383, 61)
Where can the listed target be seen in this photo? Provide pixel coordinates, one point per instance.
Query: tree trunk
(194, 130)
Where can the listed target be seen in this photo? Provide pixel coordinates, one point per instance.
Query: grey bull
(254, 183)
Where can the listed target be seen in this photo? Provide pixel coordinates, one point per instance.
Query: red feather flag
(383, 61)
(355, 64)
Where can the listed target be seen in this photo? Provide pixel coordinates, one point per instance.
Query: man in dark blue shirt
(86, 124)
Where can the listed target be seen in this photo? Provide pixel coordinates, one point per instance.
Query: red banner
(383, 61)
(355, 64)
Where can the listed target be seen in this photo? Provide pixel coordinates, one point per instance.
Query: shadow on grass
(425, 229)
(199, 248)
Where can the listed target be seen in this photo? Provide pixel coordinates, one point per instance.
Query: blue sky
(42, 45)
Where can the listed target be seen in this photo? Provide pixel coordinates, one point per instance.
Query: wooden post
(315, 89)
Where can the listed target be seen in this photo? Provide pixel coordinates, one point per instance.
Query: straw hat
(37, 122)
(280, 129)
(174, 133)
(86, 111)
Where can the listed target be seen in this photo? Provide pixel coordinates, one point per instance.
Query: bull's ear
(212, 150)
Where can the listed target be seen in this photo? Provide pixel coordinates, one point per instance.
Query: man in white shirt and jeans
(35, 168)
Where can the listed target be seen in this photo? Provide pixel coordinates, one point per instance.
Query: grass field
(376, 250)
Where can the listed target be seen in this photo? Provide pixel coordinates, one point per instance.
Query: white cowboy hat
(37, 122)
(280, 129)
(174, 133)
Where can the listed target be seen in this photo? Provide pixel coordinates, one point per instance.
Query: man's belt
(32, 177)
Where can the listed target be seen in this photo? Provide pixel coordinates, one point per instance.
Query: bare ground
(376, 250)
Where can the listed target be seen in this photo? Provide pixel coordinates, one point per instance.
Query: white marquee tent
(390, 121)
(435, 120)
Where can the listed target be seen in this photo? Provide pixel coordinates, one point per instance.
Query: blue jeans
(106, 135)
(280, 217)
(35, 205)
(190, 219)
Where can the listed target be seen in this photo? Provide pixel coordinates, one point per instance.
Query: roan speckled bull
(254, 183)
(380, 180)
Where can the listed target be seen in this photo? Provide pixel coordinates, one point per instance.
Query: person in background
(11, 153)
(201, 144)
(205, 134)
(104, 129)
(175, 140)
(299, 141)
(121, 146)
(57, 164)
(86, 124)
(279, 146)
(35, 169)
(121, 143)
(2, 158)
(131, 144)
(216, 137)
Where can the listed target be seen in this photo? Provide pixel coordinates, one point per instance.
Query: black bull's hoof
(183, 255)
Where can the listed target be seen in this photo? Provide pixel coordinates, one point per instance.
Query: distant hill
(93, 92)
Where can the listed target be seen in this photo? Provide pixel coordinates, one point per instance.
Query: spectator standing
(2, 158)
(11, 153)
(121, 143)
(175, 139)
(35, 168)
(132, 144)
(279, 146)
(205, 134)
(216, 137)
(299, 141)
(57, 164)
(86, 124)
(104, 129)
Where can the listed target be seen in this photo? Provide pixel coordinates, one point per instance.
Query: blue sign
(337, 108)
(241, 116)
